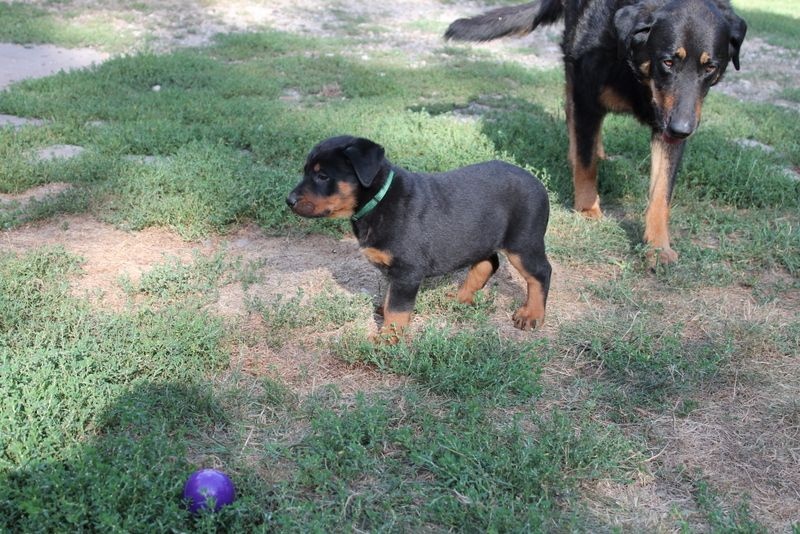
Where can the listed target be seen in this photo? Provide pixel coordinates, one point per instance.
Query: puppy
(413, 225)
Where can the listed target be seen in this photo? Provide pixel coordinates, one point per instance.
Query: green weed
(455, 468)
(25, 24)
(647, 365)
(437, 299)
(16, 214)
(791, 93)
(174, 279)
(475, 363)
(64, 363)
(284, 315)
(738, 519)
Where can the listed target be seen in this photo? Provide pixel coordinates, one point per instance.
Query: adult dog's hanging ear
(738, 30)
(366, 158)
(633, 28)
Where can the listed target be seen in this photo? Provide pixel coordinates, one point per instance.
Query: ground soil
(740, 438)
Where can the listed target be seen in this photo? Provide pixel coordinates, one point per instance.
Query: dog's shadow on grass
(130, 474)
(339, 257)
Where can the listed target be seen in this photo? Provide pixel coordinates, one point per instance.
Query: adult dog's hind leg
(584, 123)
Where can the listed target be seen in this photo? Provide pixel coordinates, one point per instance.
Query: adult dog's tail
(504, 21)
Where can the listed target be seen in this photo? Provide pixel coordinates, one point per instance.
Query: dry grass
(743, 437)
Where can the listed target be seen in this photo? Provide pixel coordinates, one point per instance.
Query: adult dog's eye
(322, 177)
(668, 63)
(710, 68)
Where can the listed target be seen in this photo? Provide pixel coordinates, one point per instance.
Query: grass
(64, 362)
(467, 364)
(736, 520)
(776, 20)
(430, 464)
(646, 367)
(174, 280)
(22, 23)
(286, 317)
(105, 413)
(792, 94)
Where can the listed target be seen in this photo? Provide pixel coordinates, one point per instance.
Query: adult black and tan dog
(413, 225)
(656, 59)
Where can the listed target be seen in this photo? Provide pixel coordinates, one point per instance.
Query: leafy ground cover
(161, 310)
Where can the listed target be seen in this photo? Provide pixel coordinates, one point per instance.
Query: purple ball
(205, 485)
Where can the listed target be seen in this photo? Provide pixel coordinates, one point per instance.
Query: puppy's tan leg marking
(530, 314)
(394, 323)
(477, 277)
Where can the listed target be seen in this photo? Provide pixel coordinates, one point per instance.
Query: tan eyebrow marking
(681, 53)
(705, 57)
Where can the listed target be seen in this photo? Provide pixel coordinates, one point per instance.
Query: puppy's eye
(322, 177)
(668, 63)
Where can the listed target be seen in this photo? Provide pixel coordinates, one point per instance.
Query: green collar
(369, 206)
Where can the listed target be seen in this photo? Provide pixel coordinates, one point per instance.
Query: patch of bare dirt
(20, 62)
(744, 437)
(707, 310)
(314, 264)
(38, 193)
(305, 368)
(108, 253)
(288, 264)
(58, 152)
(567, 302)
(414, 27)
(15, 122)
(766, 70)
(646, 505)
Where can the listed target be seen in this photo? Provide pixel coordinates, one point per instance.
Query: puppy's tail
(504, 21)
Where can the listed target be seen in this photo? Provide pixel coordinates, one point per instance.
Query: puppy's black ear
(633, 25)
(738, 30)
(366, 158)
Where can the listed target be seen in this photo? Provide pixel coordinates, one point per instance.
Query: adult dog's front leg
(666, 158)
